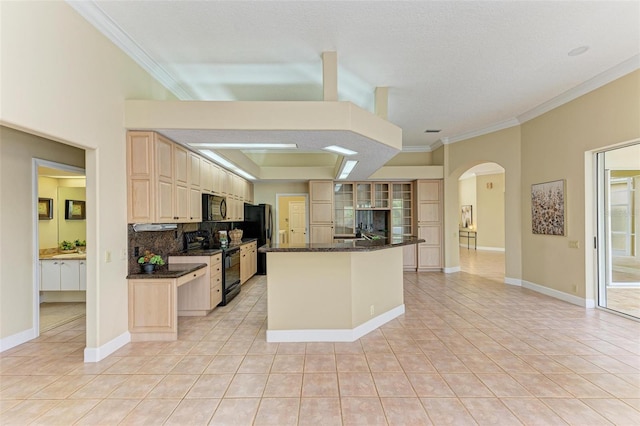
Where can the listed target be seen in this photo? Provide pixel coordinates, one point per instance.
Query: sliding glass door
(618, 230)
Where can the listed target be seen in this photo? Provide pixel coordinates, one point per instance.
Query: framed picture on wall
(466, 216)
(547, 208)
(74, 210)
(45, 208)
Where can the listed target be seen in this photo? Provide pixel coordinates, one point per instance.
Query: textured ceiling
(461, 67)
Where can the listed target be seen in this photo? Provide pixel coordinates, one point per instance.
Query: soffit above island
(311, 126)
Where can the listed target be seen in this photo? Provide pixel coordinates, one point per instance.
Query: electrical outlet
(372, 310)
(574, 288)
(136, 252)
(123, 254)
(574, 244)
(107, 256)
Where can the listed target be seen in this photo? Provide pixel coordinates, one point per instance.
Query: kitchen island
(333, 292)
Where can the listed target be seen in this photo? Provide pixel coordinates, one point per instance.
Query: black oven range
(200, 242)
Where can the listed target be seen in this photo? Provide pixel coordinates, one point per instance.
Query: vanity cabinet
(63, 275)
(248, 261)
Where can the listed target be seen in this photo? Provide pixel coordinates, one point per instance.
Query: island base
(332, 296)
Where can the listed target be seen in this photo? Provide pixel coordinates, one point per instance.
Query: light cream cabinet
(205, 293)
(63, 275)
(153, 305)
(158, 188)
(248, 261)
(402, 214)
(429, 200)
(321, 211)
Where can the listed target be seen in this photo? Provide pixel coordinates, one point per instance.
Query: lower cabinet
(409, 260)
(63, 275)
(199, 297)
(248, 261)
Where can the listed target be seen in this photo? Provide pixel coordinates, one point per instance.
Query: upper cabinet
(321, 211)
(165, 182)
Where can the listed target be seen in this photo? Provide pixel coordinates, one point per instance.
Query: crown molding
(90, 11)
(417, 148)
(486, 130)
(596, 82)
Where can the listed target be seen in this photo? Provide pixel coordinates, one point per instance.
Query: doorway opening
(60, 247)
(481, 207)
(292, 224)
(618, 248)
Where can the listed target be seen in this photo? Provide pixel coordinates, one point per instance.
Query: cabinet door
(321, 234)
(321, 213)
(430, 252)
(321, 191)
(363, 196)
(181, 205)
(381, 196)
(83, 275)
(140, 195)
(181, 165)
(70, 275)
(195, 205)
(429, 190)
(165, 200)
(194, 170)
(244, 263)
(428, 212)
(409, 261)
(50, 275)
(165, 173)
(206, 176)
(344, 211)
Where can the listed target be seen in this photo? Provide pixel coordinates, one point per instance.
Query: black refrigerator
(258, 223)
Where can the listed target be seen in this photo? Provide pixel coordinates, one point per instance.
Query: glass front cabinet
(344, 211)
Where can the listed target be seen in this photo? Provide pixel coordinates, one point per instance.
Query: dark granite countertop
(353, 245)
(170, 271)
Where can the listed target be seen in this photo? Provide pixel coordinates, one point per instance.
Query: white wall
(62, 79)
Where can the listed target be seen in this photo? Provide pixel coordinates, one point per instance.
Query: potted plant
(67, 247)
(149, 261)
(81, 245)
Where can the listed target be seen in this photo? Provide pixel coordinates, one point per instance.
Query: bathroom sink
(69, 256)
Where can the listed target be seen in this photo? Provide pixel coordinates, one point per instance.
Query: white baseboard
(100, 353)
(513, 281)
(501, 249)
(575, 300)
(17, 339)
(337, 335)
(451, 270)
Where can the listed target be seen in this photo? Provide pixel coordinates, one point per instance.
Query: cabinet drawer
(191, 276)
(216, 295)
(216, 259)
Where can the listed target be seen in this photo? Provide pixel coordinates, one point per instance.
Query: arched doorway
(481, 206)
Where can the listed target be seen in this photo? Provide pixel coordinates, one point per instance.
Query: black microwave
(214, 208)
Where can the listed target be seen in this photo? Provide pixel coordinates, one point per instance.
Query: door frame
(306, 212)
(37, 162)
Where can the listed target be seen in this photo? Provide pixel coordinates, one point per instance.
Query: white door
(297, 221)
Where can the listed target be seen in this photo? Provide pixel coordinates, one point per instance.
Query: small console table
(470, 235)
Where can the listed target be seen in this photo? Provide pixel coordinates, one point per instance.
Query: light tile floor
(469, 350)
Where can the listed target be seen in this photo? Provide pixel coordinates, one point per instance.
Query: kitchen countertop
(63, 256)
(170, 271)
(354, 245)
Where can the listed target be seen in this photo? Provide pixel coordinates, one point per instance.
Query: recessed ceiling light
(339, 150)
(578, 51)
(432, 131)
(245, 145)
(348, 167)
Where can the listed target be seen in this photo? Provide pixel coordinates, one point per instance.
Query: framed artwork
(74, 210)
(45, 208)
(548, 207)
(466, 215)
